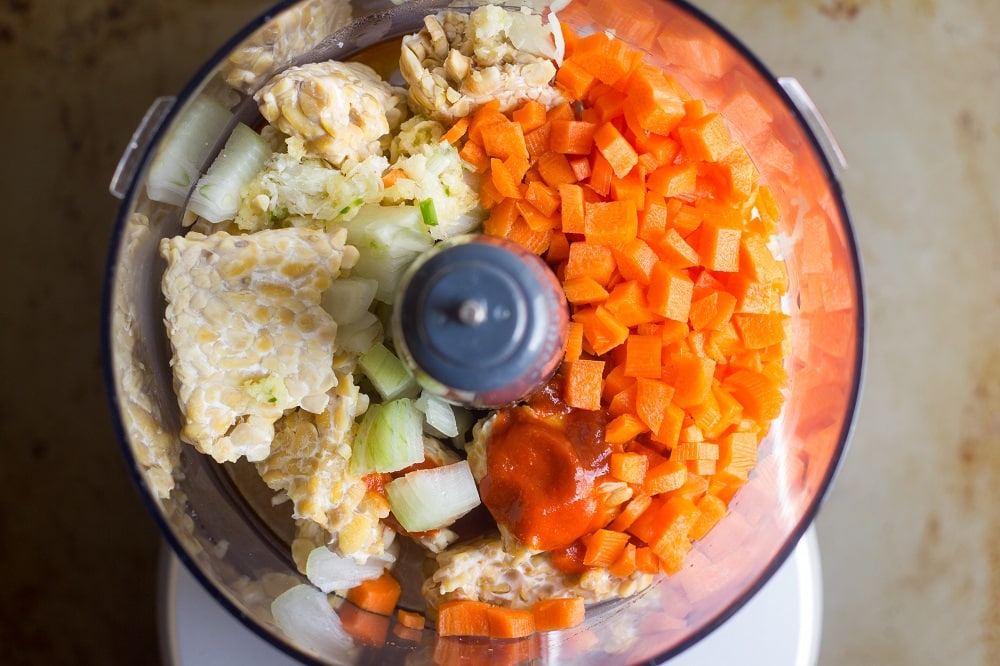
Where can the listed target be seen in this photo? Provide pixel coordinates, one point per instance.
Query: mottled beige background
(910, 535)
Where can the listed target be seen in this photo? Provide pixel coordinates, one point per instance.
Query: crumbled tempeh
(458, 62)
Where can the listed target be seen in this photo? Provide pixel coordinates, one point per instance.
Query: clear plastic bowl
(236, 544)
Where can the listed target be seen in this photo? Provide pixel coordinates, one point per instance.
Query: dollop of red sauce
(543, 462)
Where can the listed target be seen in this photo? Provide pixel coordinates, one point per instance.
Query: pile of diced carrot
(653, 218)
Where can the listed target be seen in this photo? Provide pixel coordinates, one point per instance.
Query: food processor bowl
(219, 518)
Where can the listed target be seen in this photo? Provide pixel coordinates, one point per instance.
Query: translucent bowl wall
(230, 542)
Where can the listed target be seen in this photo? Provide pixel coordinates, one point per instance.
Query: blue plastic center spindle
(481, 321)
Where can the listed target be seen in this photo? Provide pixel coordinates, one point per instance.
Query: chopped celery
(428, 499)
(389, 375)
(428, 212)
(178, 163)
(348, 299)
(389, 439)
(216, 197)
(439, 415)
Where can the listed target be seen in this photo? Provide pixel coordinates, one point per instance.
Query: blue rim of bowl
(194, 83)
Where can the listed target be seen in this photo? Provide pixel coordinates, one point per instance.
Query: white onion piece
(305, 615)
(439, 415)
(331, 572)
(428, 499)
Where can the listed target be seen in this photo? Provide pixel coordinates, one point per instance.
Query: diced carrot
(536, 219)
(590, 260)
(665, 527)
(719, 248)
(653, 219)
(652, 398)
(410, 619)
(601, 174)
(619, 153)
(738, 453)
(542, 197)
(581, 167)
(474, 155)
(705, 138)
(628, 466)
(642, 356)
(711, 510)
(670, 292)
(695, 485)
(463, 617)
(663, 149)
(760, 397)
(378, 595)
(672, 248)
(603, 547)
(624, 566)
(635, 260)
(623, 428)
(667, 476)
(601, 330)
(456, 131)
(555, 170)
(528, 238)
(537, 141)
(583, 290)
(712, 311)
(365, 627)
(695, 451)
(572, 137)
(558, 613)
(627, 302)
(569, 559)
(674, 180)
(652, 103)
(484, 116)
(632, 509)
(501, 219)
(692, 377)
(622, 403)
(571, 203)
(610, 222)
(558, 251)
(574, 341)
(503, 179)
(646, 560)
(583, 383)
(608, 60)
(759, 331)
(574, 79)
(530, 116)
(509, 622)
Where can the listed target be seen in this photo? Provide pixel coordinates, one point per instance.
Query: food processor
(229, 546)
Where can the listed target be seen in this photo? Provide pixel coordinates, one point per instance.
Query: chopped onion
(348, 299)
(332, 572)
(359, 336)
(439, 415)
(216, 197)
(306, 617)
(428, 499)
(177, 165)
